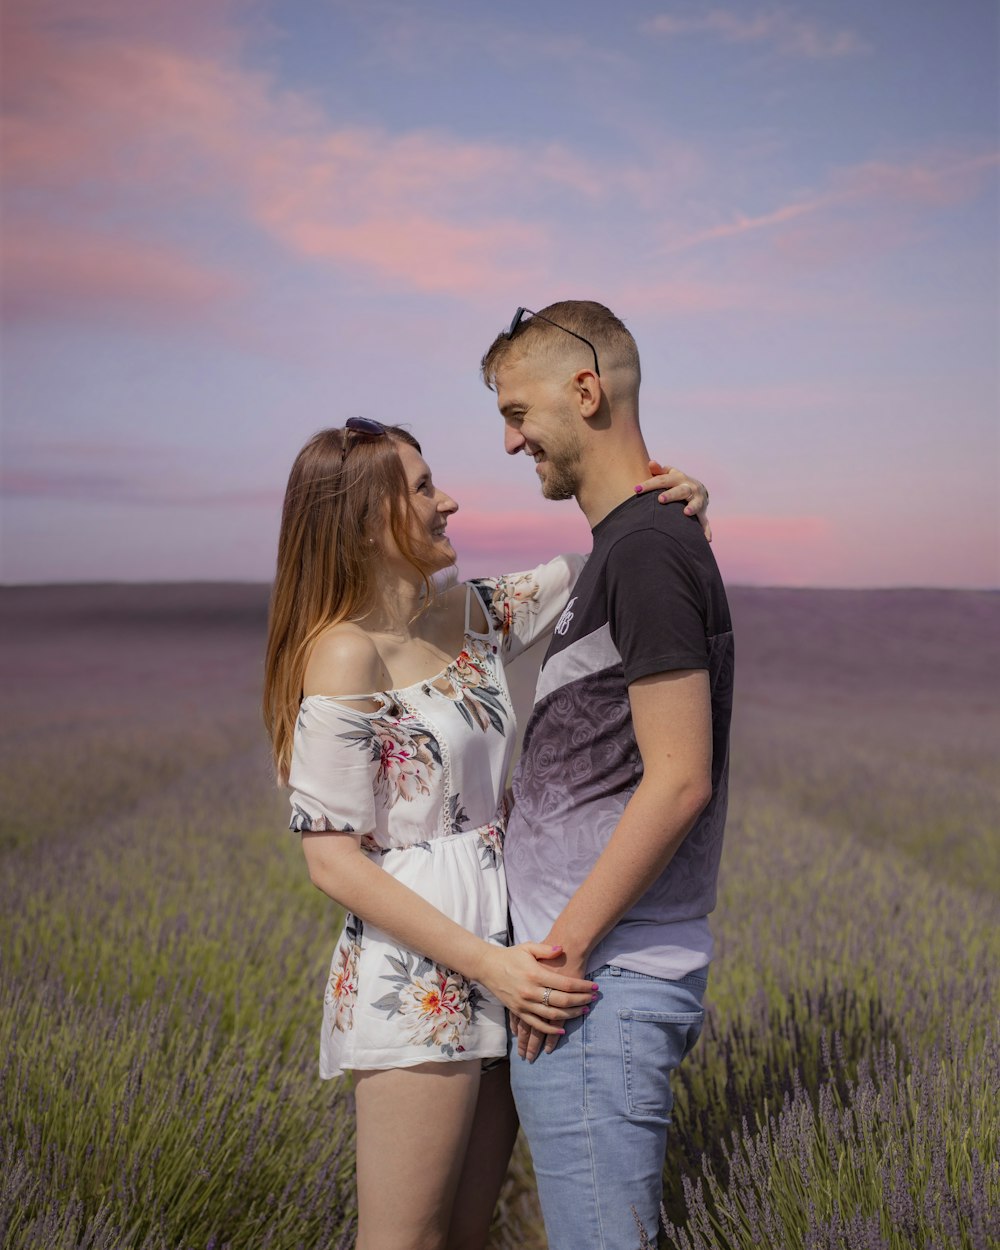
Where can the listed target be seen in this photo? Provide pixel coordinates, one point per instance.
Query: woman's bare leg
(414, 1126)
(485, 1166)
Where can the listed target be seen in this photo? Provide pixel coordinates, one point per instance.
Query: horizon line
(732, 585)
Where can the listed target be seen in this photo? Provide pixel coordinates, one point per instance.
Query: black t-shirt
(650, 600)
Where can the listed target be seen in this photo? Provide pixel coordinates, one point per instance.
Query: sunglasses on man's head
(364, 427)
(520, 315)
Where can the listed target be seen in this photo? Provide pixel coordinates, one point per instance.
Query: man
(613, 848)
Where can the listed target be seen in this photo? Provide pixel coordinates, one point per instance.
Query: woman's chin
(449, 557)
(444, 555)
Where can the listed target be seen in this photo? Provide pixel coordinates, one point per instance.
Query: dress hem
(465, 1056)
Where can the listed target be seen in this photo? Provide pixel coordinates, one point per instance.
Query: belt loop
(614, 970)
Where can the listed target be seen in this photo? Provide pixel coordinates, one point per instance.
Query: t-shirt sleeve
(526, 606)
(332, 775)
(657, 610)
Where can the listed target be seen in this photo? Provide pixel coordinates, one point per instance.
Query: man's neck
(610, 479)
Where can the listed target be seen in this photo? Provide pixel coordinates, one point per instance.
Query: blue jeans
(596, 1110)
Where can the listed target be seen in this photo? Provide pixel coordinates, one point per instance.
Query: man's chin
(556, 481)
(557, 490)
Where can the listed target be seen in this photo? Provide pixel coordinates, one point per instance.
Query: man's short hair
(613, 343)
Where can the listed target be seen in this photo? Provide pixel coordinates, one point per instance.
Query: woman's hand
(516, 975)
(675, 485)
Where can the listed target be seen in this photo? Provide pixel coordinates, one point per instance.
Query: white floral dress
(422, 780)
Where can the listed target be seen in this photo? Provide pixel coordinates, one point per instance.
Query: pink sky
(225, 226)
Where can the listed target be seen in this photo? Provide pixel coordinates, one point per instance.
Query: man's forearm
(653, 825)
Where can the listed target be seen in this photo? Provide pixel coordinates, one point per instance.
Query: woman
(391, 719)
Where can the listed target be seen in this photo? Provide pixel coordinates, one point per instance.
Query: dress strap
(468, 605)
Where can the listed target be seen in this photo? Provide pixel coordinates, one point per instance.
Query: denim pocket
(653, 1044)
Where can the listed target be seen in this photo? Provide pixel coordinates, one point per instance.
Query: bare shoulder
(344, 660)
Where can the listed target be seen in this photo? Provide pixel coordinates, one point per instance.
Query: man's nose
(513, 441)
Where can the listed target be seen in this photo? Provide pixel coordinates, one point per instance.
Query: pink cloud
(108, 108)
(872, 195)
(107, 113)
(491, 542)
(743, 224)
(936, 180)
(52, 271)
(105, 117)
(797, 550)
(426, 255)
(790, 551)
(98, 486)
(782, 30)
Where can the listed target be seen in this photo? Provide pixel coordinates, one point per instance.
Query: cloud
(110, 114)
(407, 37)
(102, 471)
(106, 486)
(104, 116)
(794, 550)
(788, 551)
(53, 272)
(500, 541)
(744, 224)
(863, 212)
(781, 30)
(936, 180)
(100, 116)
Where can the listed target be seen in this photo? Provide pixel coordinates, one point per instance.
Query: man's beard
(562, 476)
(559, 483)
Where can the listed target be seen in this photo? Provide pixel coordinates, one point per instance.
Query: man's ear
(588, 391)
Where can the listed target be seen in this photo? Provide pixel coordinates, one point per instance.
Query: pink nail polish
(638, 490)
(586, 1011)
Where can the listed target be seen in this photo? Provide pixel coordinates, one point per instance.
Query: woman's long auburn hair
(336, 507)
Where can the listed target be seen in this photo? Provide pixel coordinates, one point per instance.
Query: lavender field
(163, 953)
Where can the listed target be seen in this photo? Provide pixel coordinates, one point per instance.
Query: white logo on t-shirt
(562, 625)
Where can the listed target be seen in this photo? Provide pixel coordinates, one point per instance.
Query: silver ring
(545, 995)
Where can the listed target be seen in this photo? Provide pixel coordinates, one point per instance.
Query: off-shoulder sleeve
(526, 606)
(333, 770)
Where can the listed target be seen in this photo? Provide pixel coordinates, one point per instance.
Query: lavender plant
(163, 954)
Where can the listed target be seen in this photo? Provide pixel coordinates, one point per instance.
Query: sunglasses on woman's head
(362, 426)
